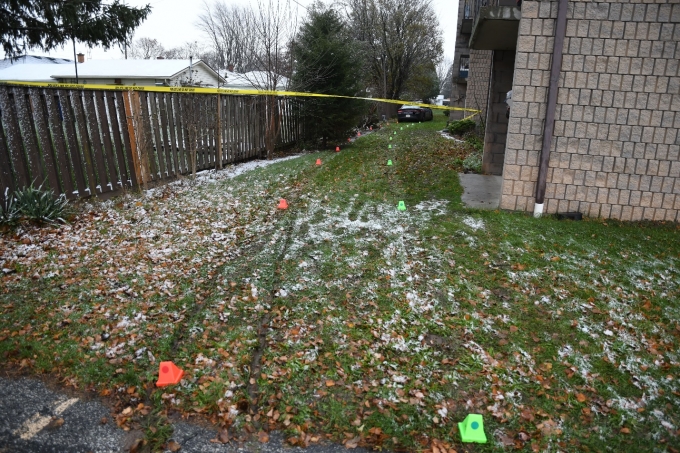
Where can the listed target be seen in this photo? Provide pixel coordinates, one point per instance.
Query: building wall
(459, 88)
(496, 123)
(479, 78)
(615, 150)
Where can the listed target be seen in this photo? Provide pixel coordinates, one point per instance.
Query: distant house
(251, 80)
(120, 72)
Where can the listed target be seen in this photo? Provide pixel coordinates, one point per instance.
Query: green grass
(344, 318)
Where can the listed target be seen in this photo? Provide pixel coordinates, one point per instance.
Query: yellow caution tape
(229, 91)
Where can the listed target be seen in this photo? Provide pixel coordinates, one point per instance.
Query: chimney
(230, 68)
(160, 58)
(81, 58)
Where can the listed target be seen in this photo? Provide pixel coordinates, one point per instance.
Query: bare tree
(146, 48)
(186, 50)
(398, 36)
(229, 28)
(444, 73)
(274, 27)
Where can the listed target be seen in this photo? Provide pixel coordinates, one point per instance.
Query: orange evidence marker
(337, 149)
(358, 134)
(318, 162)
(168, 374)
(371, 127)
(283, 204)
(349, 139)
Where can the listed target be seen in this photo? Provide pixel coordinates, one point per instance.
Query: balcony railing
(471, 7)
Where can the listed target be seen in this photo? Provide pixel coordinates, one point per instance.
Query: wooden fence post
(136, 167)
(219, 134)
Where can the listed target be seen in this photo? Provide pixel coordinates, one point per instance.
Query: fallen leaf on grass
(506, 440)
(624, 431)
(549, 428)
(330, 383)
(263, 437)
(173, 446)
(527, 415)
(581, 397)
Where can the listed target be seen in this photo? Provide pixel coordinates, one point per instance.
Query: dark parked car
(414, 113)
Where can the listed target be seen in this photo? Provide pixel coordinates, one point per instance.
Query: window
(464, 68)
(117, 81)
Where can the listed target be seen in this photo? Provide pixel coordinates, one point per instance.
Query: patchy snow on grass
(475, 224)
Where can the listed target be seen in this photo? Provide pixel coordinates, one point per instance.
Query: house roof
(133, 69)
(32, 59)
(100, 69)
(33, 72)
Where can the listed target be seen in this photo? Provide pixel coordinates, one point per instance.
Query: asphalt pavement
(36, 419)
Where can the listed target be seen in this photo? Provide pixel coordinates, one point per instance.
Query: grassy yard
(343, 318)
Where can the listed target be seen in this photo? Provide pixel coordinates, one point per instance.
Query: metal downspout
(555, 69)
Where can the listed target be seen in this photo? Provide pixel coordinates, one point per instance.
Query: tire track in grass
(241, 269)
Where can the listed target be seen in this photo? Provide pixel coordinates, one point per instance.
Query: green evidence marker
(402, 206)
(472, 429)
(389, 163)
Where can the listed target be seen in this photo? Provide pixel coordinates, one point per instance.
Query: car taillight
(399, 111)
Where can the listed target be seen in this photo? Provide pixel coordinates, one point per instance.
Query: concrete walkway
(481, 191)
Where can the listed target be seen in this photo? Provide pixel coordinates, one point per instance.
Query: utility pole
(384, 67)
(75, 59)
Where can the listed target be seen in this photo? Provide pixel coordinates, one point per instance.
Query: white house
(251, 80)
(120, 72)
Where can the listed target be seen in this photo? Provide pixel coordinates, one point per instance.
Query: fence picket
(96, 147)
(6, 179)
(158, 137)
(110, 164)
(112, 108)
(167, 144)
(39, 110)
(27, 130)
(55, 126)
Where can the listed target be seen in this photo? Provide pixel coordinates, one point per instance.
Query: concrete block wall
(459, 90)
(496, 123)
(479, 79)
(616, 146)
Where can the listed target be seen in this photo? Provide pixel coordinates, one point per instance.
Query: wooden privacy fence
(82, 143)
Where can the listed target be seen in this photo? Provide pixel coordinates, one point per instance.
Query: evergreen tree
(46, 24)
(326, 62)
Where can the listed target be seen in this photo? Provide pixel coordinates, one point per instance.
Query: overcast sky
(173, 22)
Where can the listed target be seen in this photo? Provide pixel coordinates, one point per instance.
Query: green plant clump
(460, 127)
(473, 163)
(9, 212)
(36, 204)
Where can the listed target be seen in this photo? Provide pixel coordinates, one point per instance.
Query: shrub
(40, 205)
(461, 127)
(476, 142)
